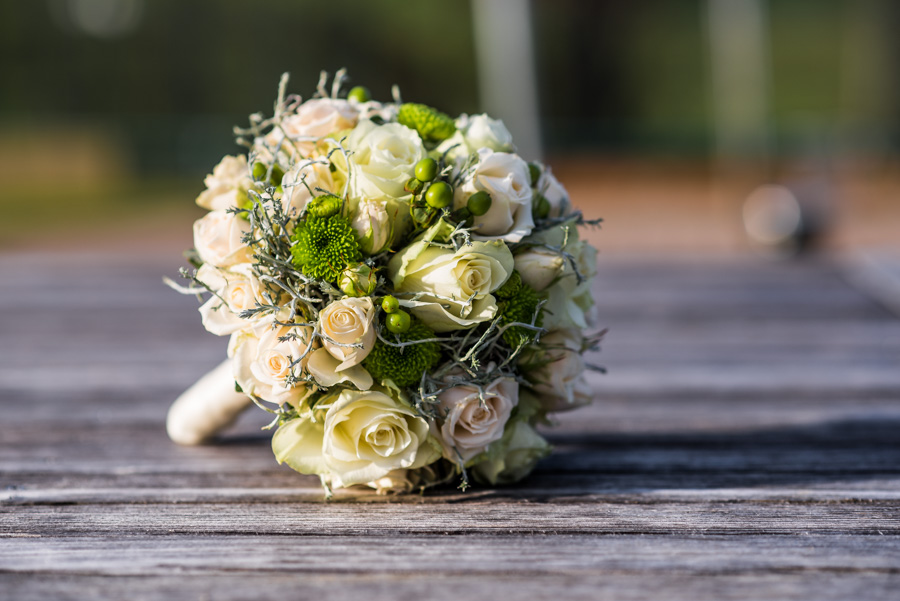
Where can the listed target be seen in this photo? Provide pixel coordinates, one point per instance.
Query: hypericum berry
(426, 170)
(534, 170)
(479, 203)
(397, 322)
(360, 94)
(439, 195)
(390, 304)
(259, 171)
(540, 206)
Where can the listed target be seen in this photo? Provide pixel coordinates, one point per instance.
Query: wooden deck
(745, 445)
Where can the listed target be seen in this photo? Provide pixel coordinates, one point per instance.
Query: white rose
(365, 436)
(372, 224)
(471, 421)
(482, 131)
(300, 183)
(539, 267)
(454, 288)
(506, 178)
(345, 323)
(262, 364)
(227, 185)
(218, 239)
(235, 291)
(553, 191)
(314, 120)
(569, 301)
(516, 455)
(559, 378)
(383, 160)
(474, 133)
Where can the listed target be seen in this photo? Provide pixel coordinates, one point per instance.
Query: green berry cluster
(433, 126)
(517, 301)
(324, 246)
(404, 365)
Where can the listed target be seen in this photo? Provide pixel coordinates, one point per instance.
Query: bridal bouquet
(404, 293)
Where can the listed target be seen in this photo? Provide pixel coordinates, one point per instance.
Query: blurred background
(694, 125)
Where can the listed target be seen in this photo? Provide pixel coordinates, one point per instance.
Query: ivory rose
(506, 178)
(235, 290)
(474, 132)
(516, 455)
(345, 323)
(453, 288)
(557, 371)
(372, 224)
(364, 436)
(472, 421)
(263, 363)
(218, 239)
(553, 191)
(227, 185)
(539, 267)
(314, 120)
(383, 160)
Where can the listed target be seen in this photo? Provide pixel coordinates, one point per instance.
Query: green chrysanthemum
(325, 246)
(518, 302)
(433, 125)
(404, 365)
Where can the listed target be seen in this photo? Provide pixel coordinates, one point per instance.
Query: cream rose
(235, 290)
(314, 120)
(383, 160)
(227, 185)
(262, 364)
(218, 239)
(559, 378)
(363, 437)
(471, 421)
(300, 185)
(506, 178)
(553, 191)
(539, 267)
(516, 455)
(453, 289)
(474, 132)
(345, 323)
(372, 223)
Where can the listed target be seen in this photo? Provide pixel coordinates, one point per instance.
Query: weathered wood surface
(745, 445)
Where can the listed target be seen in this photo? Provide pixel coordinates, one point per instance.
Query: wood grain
(745, 445)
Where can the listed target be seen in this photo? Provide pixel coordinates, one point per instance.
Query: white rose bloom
(474, 133)
(539, 267)
(218, 239)
(227, 185)
(347, 322)
(300, 183)
(383, 160)
(569, 301)
(372, 223)
(519, 451)
(365, 436)
(559, 378)
(553, 191)
(455, 287)
(235, 290)
(472, 422)
(262, 363)
(314, 120)
(506, 178)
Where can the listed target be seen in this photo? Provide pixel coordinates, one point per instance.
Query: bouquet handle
(206, 408)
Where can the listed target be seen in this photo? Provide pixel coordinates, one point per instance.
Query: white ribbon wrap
(206, 408)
